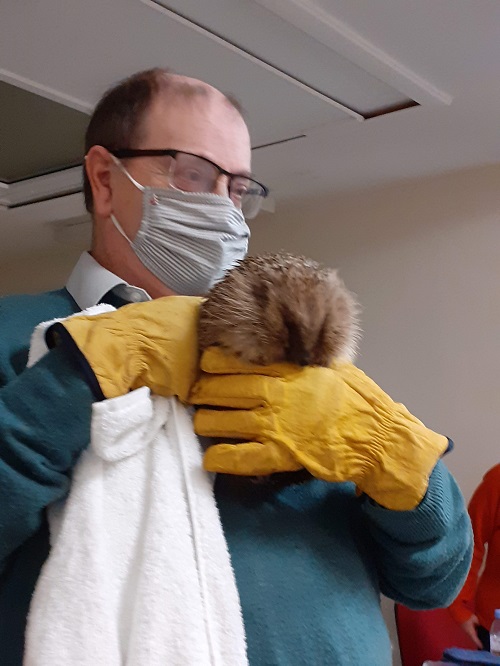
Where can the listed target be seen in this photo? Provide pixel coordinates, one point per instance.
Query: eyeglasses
(192, 173)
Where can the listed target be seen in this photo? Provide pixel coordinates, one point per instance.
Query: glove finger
(217, 362)
(231, 424)
(239, 392)
(249, 459)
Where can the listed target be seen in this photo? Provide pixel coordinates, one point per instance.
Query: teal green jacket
(310, 560)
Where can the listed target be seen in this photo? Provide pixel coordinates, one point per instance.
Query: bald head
(185, 87)
(129, 113)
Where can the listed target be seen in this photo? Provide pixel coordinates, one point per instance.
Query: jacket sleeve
(45, 417)
(482, 512)
(423, 555)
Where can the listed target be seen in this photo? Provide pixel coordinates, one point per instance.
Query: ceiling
(321, 81)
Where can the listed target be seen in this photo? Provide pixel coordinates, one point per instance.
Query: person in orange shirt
(475, 605)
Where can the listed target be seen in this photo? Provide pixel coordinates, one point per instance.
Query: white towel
(139, 573)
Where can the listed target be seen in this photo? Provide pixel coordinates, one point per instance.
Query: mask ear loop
(140, 187)
(119, 228)
(126, 173)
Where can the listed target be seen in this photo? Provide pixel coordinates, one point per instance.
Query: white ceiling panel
(450, 42)
(77, 49)
(275, 40)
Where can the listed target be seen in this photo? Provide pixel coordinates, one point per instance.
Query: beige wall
(423, 258)
(35, 273)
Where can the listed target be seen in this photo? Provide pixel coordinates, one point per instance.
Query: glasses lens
(193, 174)
(248, 195)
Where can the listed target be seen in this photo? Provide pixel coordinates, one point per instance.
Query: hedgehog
(281, 308)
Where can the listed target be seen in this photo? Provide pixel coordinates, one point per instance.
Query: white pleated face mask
(188, 240)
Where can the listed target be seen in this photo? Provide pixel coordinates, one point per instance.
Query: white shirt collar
(89, 281)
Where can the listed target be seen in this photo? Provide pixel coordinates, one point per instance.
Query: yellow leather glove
(153, 344)
(335, 422)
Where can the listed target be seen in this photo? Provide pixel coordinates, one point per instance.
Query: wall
(423, 258)
(39, 272)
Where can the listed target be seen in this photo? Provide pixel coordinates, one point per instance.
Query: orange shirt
(481, 596)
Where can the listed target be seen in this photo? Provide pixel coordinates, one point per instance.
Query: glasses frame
(125, 153)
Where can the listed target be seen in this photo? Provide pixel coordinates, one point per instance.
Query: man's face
(204, 125)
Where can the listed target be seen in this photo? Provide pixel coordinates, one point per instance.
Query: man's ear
(98, 164)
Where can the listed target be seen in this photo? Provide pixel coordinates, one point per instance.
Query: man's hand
(470, 628)
(153, 344)
(335, 422)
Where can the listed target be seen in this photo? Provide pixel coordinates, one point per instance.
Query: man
(167, 181)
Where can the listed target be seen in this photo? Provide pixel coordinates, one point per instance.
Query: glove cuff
(58, 336)
(109, 366)
(406, 454)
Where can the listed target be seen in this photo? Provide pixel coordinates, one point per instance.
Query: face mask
(188, 240)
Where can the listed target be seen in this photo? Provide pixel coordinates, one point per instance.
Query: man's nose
(222, 185)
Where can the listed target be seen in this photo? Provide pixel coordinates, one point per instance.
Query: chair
(425, 634)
